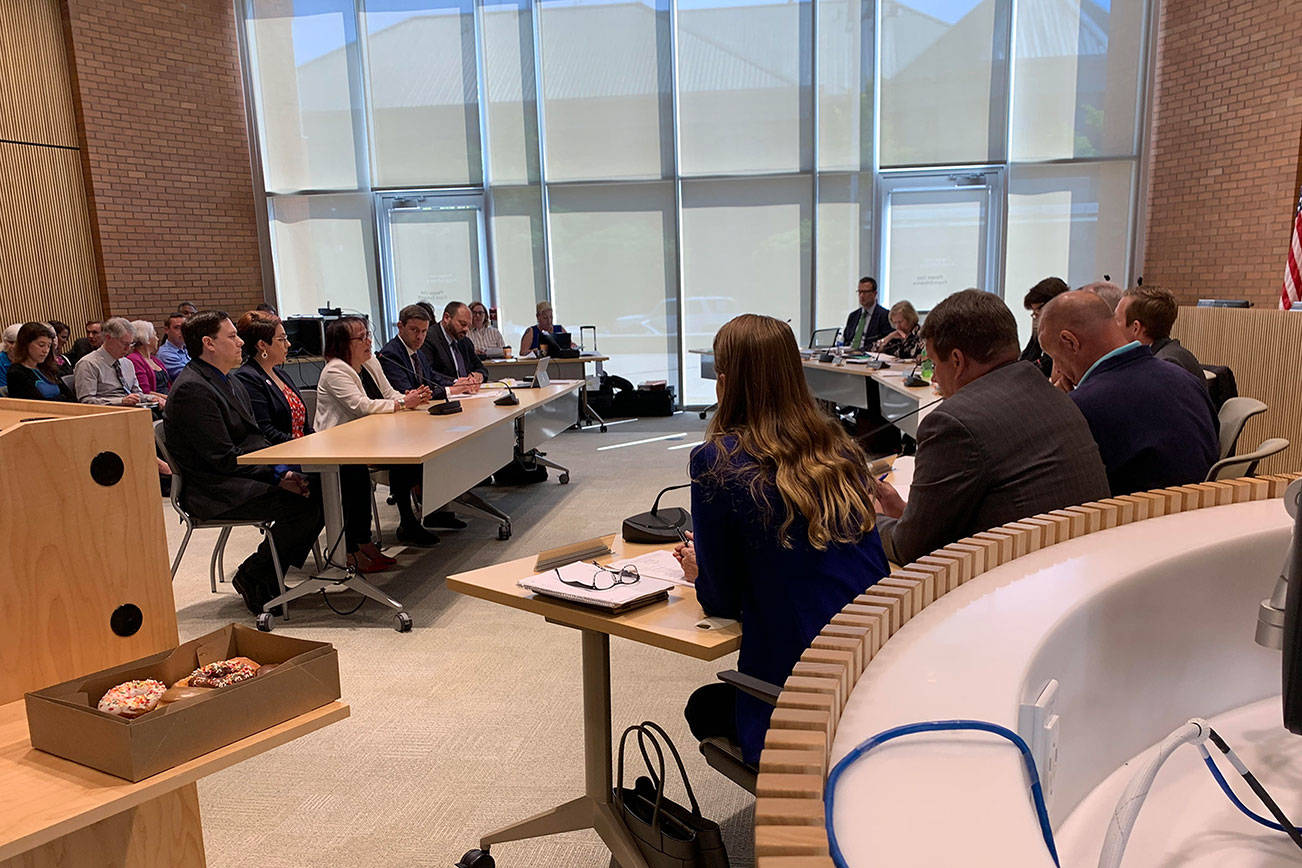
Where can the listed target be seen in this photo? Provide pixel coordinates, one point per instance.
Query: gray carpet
(474, 719)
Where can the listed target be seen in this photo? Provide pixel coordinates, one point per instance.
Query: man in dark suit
(401, 358)
(208, 425)
(1153, 421)
(869, 322)
(450, 353)
(1004, 444)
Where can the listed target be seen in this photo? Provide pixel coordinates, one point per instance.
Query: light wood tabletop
(408, 437)
(43, 797)
(892, 381)
(670, 624)
(502, 363)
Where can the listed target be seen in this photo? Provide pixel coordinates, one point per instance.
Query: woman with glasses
(1037, 297)
(278, 407)
(353, 385)
(784, 524)
(150, 373)
(488, 341)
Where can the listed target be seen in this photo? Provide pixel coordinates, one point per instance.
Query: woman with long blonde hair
(784, 525)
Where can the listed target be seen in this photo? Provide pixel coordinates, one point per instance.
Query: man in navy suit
(449, 352)
(403, 362)
(1153, 421)
(869, 322)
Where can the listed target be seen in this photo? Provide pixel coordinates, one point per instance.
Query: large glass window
(512, 92)
(324, 251)
(518, 269)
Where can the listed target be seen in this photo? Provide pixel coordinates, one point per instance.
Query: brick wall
(1227, 117)
(160, 110)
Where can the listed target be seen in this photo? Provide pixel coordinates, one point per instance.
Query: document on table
(557, 583)
(659, 564)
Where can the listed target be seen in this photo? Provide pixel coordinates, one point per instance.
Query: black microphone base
(660, 528)
(447, 408)
(915, 382)
(507, 400)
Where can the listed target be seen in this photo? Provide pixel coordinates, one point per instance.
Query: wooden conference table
(456, 453)
(850, 384)
(559, 369)
(670, 625)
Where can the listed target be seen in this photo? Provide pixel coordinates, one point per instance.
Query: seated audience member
(1036, 298)
(209, 424)
(1146, 314)
(784, 534)
(7, 340)
(58, 359)
(342, 396)
(1109, 292)
(104, 376)
(488, 341)
(172, 352)
(186, 308)
(93, 340)
(904, 342)
(266, 308)
(869, 322)
(449, 353)
(32, 376)
(1153, 421)
(277, 405)
(150, 373)
(1004, 444)
(404, 364)
(531, 340)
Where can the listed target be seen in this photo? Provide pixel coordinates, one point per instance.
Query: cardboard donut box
(64, 721)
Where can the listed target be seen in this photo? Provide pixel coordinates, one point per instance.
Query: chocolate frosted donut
(223, 673)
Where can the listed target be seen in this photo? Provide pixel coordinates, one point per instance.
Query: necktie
(456, 357)
(857, 343)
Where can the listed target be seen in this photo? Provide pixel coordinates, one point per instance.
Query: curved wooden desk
(789, 820)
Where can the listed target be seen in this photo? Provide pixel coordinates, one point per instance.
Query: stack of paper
(615, 599)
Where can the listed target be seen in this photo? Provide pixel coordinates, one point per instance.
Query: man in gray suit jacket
(1004, 444)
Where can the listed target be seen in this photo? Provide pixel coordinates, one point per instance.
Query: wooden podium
(87, 586)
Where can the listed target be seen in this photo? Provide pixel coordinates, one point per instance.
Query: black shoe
(444, 518)
(414, 535)
(247, 590)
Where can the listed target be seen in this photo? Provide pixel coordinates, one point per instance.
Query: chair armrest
(751, 686)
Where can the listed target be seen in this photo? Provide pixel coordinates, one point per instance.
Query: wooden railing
(789, 827)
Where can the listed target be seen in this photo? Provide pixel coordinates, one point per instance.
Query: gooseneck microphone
(659, 525)
(891, 424)
(510, 399)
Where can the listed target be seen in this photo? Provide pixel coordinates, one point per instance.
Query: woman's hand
(686, 555)
(416, 397)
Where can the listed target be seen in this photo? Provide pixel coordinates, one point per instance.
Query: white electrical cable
(1195, 731)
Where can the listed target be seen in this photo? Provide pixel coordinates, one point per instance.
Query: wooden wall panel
(1262, 347)
(35, 90)
(47, 262)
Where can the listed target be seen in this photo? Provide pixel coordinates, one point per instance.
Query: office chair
(823, 338)
(70, 382)
(1234, 414)
(724, 754)
(1246, 465)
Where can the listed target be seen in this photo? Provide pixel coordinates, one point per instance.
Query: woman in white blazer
(353, 385)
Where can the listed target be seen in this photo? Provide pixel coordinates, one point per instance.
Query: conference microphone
(891, 424)
(448, 407)
(510, 399)
(659, 526)
(913, 381)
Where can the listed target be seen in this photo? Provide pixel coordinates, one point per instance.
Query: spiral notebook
(614, 600)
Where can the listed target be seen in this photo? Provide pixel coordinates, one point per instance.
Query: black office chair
(724, 754)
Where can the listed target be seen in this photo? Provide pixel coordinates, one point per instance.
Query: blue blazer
(782, 596)
(396, 365)
(878, 327)
(1153, 421)
(270, 409)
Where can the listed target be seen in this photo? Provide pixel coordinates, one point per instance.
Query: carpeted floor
(472, 720)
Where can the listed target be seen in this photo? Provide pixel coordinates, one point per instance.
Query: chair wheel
(504, 532)
(404, 623)
(476, 859)
(702, 414)
(264, 622)
(603, 428)
(564, 479)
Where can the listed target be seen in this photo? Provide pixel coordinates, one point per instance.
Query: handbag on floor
(668, 835)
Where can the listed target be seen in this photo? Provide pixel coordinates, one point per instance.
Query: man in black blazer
(401, 358)
(208, 425)
(448, 350)
(1004, 445)
(876, 320)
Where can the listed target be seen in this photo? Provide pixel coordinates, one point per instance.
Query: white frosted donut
(132, 698)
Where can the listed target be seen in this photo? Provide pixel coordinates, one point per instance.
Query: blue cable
(1037, 793)
(1220, 779)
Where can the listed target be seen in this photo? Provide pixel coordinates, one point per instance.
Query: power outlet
(1038, 724)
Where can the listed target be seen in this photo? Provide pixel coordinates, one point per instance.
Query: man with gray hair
(104, 376)
(1109, 292)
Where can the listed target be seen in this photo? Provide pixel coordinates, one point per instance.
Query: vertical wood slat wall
(47, 260)
(1262, 347)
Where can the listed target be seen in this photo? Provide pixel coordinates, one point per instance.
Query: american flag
(1291, 294)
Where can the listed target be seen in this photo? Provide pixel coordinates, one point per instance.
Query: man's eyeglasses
(604, 578)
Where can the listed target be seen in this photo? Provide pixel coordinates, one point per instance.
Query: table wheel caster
(264, 622)
(504, 531)
(404, 623)
(702, 414)
(476, 859)
(603, 427)
(564, 479)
